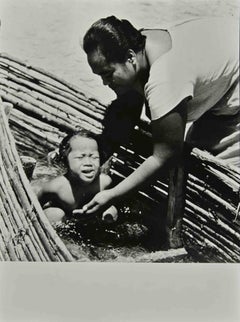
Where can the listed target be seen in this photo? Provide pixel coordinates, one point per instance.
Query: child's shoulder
(105, 181)
(55, 183)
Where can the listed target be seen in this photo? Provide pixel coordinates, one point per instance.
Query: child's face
(83, 159)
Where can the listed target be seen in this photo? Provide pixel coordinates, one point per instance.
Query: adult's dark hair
(65, 147)
(113, 37)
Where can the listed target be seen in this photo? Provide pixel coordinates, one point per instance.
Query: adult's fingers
(78, 211)
(92, 209)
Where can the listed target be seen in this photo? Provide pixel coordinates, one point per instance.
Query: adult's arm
(168, 138)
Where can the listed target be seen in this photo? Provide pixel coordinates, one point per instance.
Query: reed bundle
(211, 223)
(46, 108)
(45, 99)
(25, 232)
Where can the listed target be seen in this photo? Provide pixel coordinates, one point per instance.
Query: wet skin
(83, 160)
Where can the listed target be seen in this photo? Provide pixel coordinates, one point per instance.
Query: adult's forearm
(148, 170)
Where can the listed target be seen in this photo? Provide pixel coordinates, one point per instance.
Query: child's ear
(106, 166)
(53, 156)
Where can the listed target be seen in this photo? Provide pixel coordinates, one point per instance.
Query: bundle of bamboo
(46, 108)
(25, 232)
(211, 222)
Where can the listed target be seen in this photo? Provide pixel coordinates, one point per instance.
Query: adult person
(186, 73)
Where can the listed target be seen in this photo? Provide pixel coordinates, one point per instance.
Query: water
(48, 33)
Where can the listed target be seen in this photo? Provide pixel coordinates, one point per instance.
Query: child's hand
(110, 215)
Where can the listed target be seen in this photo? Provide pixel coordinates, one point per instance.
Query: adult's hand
(99, 202)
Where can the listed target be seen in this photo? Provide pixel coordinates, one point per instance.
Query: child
(62, 195)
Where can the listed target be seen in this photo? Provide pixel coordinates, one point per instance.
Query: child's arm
(105, 181)
(46, 191)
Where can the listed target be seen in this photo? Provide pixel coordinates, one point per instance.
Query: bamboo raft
(46, 108)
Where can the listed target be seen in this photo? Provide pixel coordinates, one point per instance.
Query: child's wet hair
(65, 146)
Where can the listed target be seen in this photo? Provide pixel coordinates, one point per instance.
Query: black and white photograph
(119, 152)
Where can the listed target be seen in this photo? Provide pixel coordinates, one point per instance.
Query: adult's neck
(143, 69)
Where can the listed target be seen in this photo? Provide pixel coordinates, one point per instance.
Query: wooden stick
(220, 240)
(38, 82)
(6, 216)
(22, 197)
(213, 196)
(208, 252)
(206, 242)
(20, 218)
(7, 241)
(53, 77)
(26, 204)
(216, 220)
(210, 204)
(3, 249)
(217, 163)
(54, 100)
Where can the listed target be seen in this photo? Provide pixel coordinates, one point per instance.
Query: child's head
(80, 153)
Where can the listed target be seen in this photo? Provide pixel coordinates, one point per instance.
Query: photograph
(120, 148)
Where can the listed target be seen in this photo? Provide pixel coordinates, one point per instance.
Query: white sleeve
(166, 88)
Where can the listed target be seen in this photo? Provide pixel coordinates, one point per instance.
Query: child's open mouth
(88, 173)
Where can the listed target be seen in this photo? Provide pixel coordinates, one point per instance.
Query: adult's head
(79, 152)
(111, 46)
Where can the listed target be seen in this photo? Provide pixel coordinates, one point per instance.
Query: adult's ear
(131, 56)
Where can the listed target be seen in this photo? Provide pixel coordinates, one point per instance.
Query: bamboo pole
(18, 115)
(175, 208)
(207, 159)
(45, 223)
(7, 241)
(67, 109)
(57, 99)
(216, 183)
(203, 226)
(223, 227)
(22, 179)
(3, 250)
(207, 240)
(208, 251)
(6, 216)
(15, 182)
(208, 203)
(220, 240)
(53, 77)
(21, 219)
(47, 84)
